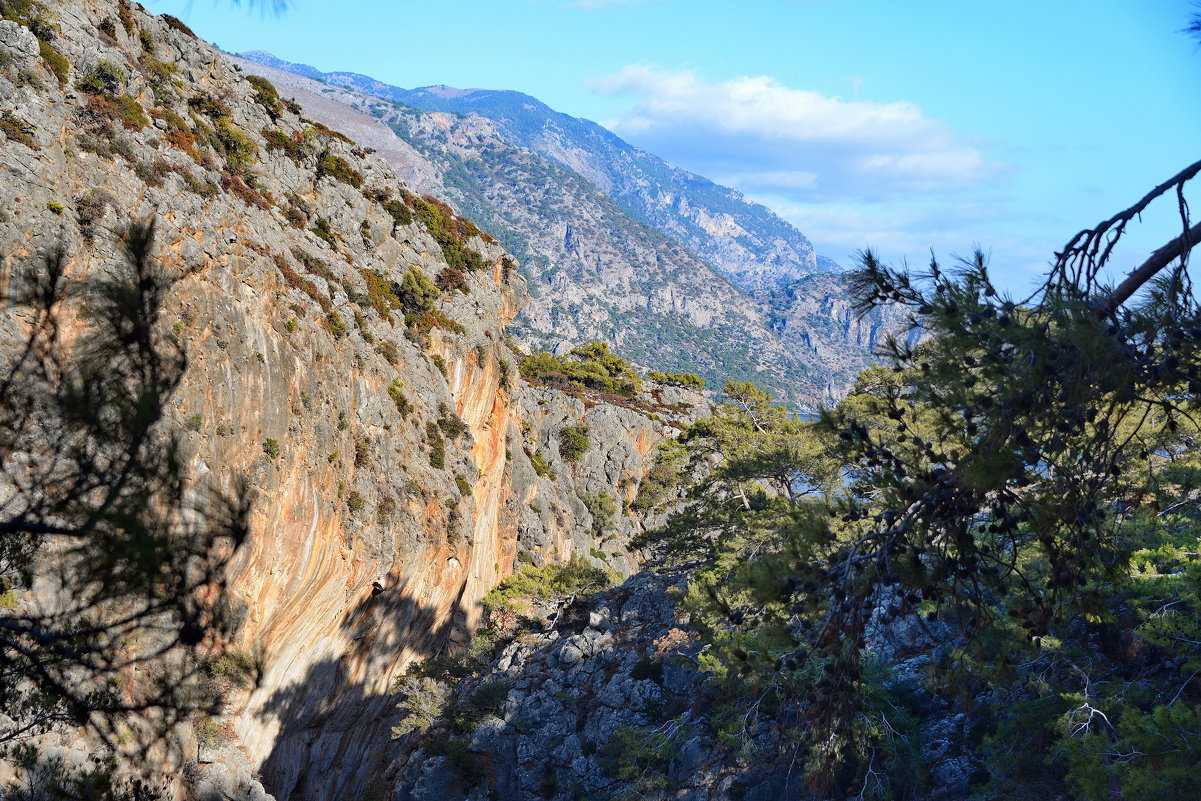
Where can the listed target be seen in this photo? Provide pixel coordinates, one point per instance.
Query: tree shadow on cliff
(334, 724)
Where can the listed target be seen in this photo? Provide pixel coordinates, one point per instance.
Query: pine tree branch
(1161, 258)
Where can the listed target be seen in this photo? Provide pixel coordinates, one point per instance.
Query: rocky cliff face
(815, 316)
(378, 419)
(607, 701)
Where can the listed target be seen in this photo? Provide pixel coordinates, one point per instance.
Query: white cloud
(763, 135)
(910, 231)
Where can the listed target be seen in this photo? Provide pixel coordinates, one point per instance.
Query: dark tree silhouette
(110, 560)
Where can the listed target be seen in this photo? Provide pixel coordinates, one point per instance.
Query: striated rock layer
(389, 461)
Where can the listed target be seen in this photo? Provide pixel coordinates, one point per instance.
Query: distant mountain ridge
(639, 280)
(746, 241)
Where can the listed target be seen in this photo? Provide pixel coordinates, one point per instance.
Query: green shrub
(294, 146)
(423, 700)
(384, 510)
(540, 465)
(472, 768)
(417, 292)
(463, 484)
(106, 79)
(399, 213)
(593, 366)
(55, 61)
(234, 668)
(437, 445)
(684, 380)
(487, 700)
(577, 578)
(177, 24)
(324, 232)
(237, 147)
(638, 759)
(266, 95)
(130, 112)
(398, 397)
(18, 130)
(320, 130)
(381, 294)
(354, 502)
(55, 208)
(8, 599)
(209, 733)
(271, 449)
(664, 477)
(647, 670)
(339, 169)
(451, 424)
(389, 351)
(125, 14)
(336, 325)
(573, 442)
(449, 231)
(362, 452)
(603, 509)
(158, 71)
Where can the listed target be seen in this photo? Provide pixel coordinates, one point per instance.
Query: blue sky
(900, 126)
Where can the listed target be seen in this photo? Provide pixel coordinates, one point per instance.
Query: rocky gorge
(339, 363)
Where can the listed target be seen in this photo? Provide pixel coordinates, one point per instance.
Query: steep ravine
(379, 519)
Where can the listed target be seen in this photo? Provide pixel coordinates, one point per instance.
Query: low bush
(336, 325)
(322, 230)
(55, 61)
(395, 391)
(237, 147)
(18, 130)
(603, 509)
(592, 366)
(437, 445)
(451, 424)
(422, 702)
(540, 465)
(573, 442)
(577, 578)
(683, 380)
(266, 95)
(381, 295)
(106, 79)
(417, 292)
(487, 700)
(338, 168)
(452, 278)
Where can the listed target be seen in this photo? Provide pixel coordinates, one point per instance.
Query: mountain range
(618, 245)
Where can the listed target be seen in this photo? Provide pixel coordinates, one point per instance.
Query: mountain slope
(744, 240)
(594, 272)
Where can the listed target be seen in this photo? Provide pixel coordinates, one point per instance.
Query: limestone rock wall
(367, 549)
